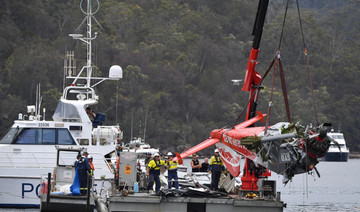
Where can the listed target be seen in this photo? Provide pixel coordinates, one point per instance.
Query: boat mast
(88, 39)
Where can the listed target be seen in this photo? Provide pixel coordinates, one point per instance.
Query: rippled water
(337, 189)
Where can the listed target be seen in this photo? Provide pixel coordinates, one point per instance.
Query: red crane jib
(252, 77)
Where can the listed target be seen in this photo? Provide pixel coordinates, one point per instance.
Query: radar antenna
(115, 71)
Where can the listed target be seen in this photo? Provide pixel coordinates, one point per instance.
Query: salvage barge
(187, 199)
(145, 202)
(67, 203)
(53, 197)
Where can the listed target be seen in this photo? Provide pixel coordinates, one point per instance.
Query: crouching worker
(153, 172)
(172, 171)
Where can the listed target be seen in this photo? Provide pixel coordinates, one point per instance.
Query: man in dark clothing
(148, 159)
(205, 165)
(215, 168)
(90, 114)
(85, 154)
(195, 164)
(83, 167)
(120, 146)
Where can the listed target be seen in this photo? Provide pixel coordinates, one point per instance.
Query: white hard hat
(90, 157)
(216, 150)
(156, 154)
(170, 154)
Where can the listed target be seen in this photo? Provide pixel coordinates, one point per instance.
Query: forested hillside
(179, 57)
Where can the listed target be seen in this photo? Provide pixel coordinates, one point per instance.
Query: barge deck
(147, 202)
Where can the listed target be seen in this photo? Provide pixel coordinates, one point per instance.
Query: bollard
(88, 193)
(278, 194)
(48, 190)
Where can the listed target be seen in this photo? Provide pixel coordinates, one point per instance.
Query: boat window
(67, 158)
(29, 136)
(66, 112)
(9, 136)
(64, 137)
(337, 136)
(48, 136)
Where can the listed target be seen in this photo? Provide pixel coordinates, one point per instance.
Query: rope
(270, 102)
(283, 84)
(283, 25)
(307, 63)
(278, 59)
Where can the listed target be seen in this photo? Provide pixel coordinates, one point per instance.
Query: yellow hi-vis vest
(155, 165)
(216, 161)
(173, 165)
(216, 164)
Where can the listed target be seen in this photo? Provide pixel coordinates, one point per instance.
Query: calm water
(338, 189)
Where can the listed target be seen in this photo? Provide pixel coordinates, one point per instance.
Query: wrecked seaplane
(285, 148)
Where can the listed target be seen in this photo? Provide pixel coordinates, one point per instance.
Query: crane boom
(252, 77)
(252, 84)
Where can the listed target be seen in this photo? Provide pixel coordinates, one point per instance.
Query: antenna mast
(88, 19)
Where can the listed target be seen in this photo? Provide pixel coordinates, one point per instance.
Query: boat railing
(103, 159)
(43, 160)
(81, 92)
(27, 159)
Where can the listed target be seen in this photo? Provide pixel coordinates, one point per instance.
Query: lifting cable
(270, 101)
(282, 76)
(264, 76)
(307, 63)
(277, 59)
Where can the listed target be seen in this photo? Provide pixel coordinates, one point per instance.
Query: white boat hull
(21, 171)
(19, 191)
(335, 153)
(23, 191)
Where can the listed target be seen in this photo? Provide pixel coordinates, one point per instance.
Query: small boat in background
(334, 153)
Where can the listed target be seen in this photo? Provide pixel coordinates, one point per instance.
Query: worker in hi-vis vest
(172, 171)
(153, 171)
(215, 167)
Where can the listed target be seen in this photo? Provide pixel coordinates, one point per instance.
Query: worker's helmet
(216, 151)
(149, 153)
(170, 154)
(156, 155)
(90, 157)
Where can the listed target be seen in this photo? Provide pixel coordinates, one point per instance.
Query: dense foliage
(179, 57)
